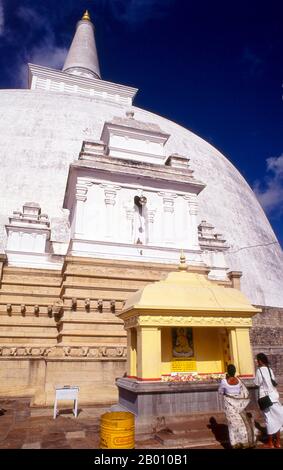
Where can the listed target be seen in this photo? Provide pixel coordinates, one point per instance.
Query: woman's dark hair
(263, 358)
(231, 369)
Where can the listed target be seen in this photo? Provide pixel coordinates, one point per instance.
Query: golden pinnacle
(183, 265)
(86, 16)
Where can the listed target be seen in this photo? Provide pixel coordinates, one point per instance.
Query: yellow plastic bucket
(117, 430)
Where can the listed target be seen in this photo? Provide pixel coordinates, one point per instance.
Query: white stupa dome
(42, 133)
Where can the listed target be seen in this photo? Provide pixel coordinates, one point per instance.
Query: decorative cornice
(126, 128)
(40, 76)
(180, 181)
(209, 321)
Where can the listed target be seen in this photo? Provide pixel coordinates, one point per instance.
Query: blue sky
(214, 67)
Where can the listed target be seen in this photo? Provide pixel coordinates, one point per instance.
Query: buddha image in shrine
(182, 342)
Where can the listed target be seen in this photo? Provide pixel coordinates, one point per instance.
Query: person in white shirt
(273, 415)
(241, 430)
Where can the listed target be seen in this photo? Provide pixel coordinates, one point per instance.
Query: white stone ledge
(34, 260)
(123, 251)
(45, 78)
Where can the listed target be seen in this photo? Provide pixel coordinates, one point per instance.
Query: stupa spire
(82, 57)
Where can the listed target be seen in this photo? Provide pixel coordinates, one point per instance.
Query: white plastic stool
(66, 393)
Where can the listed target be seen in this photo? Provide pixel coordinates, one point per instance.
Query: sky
(214, 67)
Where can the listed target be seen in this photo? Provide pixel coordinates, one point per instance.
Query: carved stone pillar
(193, 208)
(193, 223)
(110, 193)
(129, 225)
(81, 197)
(168, 210)
(150, 218)
(35, 243)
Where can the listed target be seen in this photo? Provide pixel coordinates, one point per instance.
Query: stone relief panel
(68, 352)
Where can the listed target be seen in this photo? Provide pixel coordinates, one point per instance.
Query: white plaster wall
(26, 241)
(42, 132)
(138, 144)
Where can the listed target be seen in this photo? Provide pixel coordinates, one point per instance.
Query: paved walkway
(25, 428)
(22, 427)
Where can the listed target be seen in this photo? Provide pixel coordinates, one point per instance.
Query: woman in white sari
(273, 415)
(236, 399)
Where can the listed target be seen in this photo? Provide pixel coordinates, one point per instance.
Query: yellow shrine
(187, 323)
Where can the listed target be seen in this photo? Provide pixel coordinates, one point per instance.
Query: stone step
(199, 416)
(189, 423)
(153, 444)
(191, 426)
(170, 439)
(198, 431)
(204, 418)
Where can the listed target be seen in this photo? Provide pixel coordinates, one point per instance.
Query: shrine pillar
(132, 352)
(148, 353)
(241, 351)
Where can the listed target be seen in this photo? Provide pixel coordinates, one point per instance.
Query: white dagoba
(82, 59)
(128, 155)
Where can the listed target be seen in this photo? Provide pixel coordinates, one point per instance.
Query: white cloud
(29, 15)
(47, 54)
(50, 55)
(275, 164)
(2, 19)
(270, 193)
